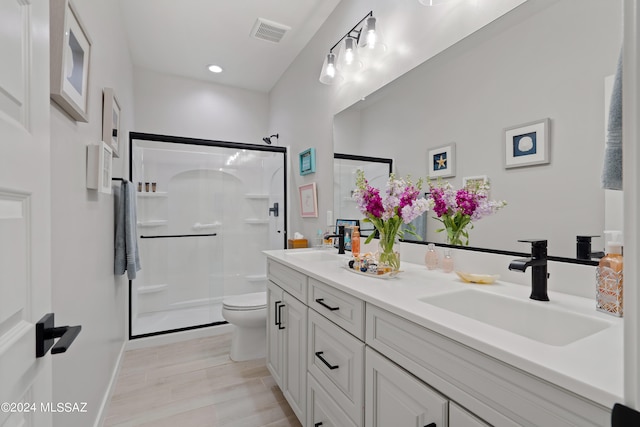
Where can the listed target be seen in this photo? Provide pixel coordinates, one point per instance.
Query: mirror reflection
(527, 66)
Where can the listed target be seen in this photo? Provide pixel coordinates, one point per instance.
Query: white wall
(169, 105)
(85, 290)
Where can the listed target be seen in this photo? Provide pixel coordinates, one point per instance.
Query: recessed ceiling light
(215, 68)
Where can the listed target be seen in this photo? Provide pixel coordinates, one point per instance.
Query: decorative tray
(388, 275)
(480, 279)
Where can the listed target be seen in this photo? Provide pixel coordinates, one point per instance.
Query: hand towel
(127, 257)
(612, 170)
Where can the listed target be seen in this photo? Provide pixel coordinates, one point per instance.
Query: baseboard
(178, 336)
(110, 388)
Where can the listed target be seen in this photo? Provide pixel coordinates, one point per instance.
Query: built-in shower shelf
(256, 277)
(256, 221)
(156, 194)
(153, 223)
(151, 289)
(256, 196)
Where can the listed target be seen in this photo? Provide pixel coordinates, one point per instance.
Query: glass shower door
(215, 208)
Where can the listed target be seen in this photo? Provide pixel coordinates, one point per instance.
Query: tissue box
(298, 243)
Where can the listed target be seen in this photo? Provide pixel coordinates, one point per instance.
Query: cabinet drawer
(341, 308)
(396, 398)
(288, 279)
(458, 417)
(322, 410)
(336, 360)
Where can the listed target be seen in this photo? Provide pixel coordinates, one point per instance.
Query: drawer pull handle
(280, 316)
(431, 425)
(329, 365)
(317, 424)
(276, 320)
(322, 303)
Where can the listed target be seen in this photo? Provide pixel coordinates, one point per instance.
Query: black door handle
(325, 305)
(280, 316)
(431, 425)
(330, 366)
(46, 333)
(317, 424)
(275, 309)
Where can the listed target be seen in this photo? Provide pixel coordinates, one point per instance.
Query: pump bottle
(609, 277)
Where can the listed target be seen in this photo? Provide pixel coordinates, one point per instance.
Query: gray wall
(85, 290)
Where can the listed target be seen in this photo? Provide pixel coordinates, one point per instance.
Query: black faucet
(583, 248)
(538, 264)
(340, 237)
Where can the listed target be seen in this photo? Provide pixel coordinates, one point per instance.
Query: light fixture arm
(357, 37)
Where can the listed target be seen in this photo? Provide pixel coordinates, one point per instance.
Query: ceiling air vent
(269, 30)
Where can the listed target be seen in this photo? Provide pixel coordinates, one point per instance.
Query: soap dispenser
(609, 276)
(431, 257)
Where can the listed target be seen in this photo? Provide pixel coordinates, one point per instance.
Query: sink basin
(530, 319)
(316, 255)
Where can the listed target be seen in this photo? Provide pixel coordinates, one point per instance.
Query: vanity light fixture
(364, 38)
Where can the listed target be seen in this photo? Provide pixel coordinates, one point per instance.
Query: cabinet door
(275, 340)
(459, 417)
(395, 398)
(294, 321)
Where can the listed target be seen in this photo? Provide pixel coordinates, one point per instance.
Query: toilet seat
(246, 302)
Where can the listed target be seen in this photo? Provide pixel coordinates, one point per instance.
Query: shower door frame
(208, 143)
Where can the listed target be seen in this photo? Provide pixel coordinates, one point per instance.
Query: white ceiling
(183, 37)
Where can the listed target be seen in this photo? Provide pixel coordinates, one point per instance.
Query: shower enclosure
(206, 211)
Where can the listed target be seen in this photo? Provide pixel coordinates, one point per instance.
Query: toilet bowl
(248, 314)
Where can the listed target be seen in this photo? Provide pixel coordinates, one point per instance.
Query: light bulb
(349, 54)
(331, 70)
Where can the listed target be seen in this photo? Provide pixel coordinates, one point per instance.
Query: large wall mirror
(532, 63)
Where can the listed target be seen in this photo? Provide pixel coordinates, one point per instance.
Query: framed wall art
(70, 49)
(99, 167)
(111, 120)
(442, 161)
(308, 200)
(527, 144)
(475, 180)
(308, 161)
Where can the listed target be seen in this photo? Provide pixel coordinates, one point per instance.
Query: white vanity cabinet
(287, 346)
(341, 361)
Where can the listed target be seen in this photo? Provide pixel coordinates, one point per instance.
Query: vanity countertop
(591, 367)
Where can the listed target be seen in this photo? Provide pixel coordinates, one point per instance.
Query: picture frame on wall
(111, 120)
(527, 144)
(99, 167)
(442, 161)
(308, 161)
(475, 180)
(70, 49)
(308, 200)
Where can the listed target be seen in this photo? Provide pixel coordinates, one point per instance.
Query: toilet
(248, 313)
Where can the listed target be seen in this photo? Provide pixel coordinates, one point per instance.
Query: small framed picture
(475, 181)
(527, 144)
(70, 60)
(99, 167)
(442, 161)
(308, 161)
(111, 120)
(308, 200)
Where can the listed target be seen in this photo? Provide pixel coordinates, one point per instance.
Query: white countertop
(591, 367)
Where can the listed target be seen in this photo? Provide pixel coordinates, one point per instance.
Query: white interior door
(25, 265)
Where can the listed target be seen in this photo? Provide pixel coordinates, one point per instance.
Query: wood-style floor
(195, 384)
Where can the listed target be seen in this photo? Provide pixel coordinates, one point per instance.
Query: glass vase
(454, 237)
(388, 253)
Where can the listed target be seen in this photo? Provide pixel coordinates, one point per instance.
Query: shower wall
(214, 203)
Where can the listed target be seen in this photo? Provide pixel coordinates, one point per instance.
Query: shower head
(267, 139)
